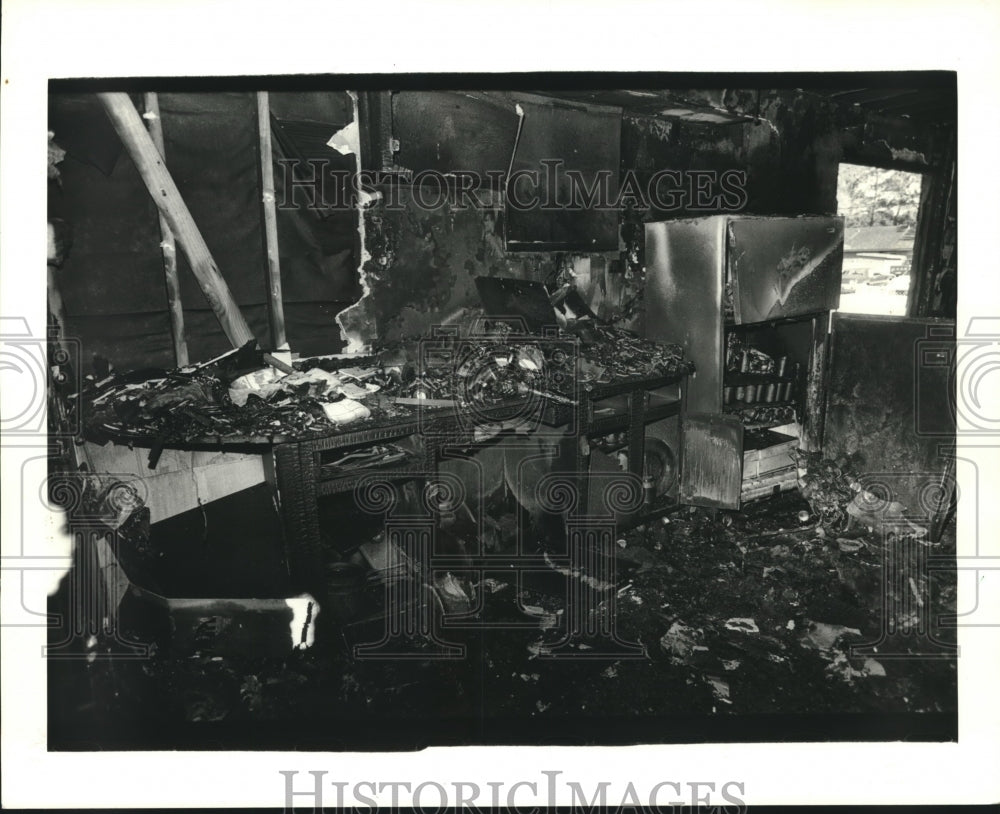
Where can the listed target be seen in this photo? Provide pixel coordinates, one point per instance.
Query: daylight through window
(880, 222)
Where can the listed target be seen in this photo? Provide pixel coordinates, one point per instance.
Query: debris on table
(609, 353)
(237, 397)
(345, 411)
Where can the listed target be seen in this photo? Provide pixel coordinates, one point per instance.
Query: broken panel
(711, 461)
(557, 142)
(890, 409)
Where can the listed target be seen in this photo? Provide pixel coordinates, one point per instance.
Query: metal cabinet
(720, 283)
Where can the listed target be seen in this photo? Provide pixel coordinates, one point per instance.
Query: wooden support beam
(275, 305)
(168, 245)
(128, 124)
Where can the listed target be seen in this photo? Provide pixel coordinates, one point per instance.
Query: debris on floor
(720, 626)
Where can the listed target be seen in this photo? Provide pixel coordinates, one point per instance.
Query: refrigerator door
(683, 299)
(890, 410)
(784, 267)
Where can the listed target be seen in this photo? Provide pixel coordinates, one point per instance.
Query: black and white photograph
(381, 414)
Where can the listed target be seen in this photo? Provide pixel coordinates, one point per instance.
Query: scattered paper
(743, 625)
(346, 411)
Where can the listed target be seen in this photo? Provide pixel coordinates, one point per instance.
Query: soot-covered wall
(112, 282)
(417, 265)
(422, 262)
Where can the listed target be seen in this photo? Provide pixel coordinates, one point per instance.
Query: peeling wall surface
(424, 263)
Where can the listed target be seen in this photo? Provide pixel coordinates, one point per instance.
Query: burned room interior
(434, 410)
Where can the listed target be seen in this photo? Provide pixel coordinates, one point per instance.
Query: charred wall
(421, 260)
(787, 146)
(417, 264)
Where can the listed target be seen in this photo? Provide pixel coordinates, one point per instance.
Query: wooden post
(128, 124)
(275, 305)
(168, 245)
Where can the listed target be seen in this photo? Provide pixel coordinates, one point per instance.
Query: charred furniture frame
(304, 473)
